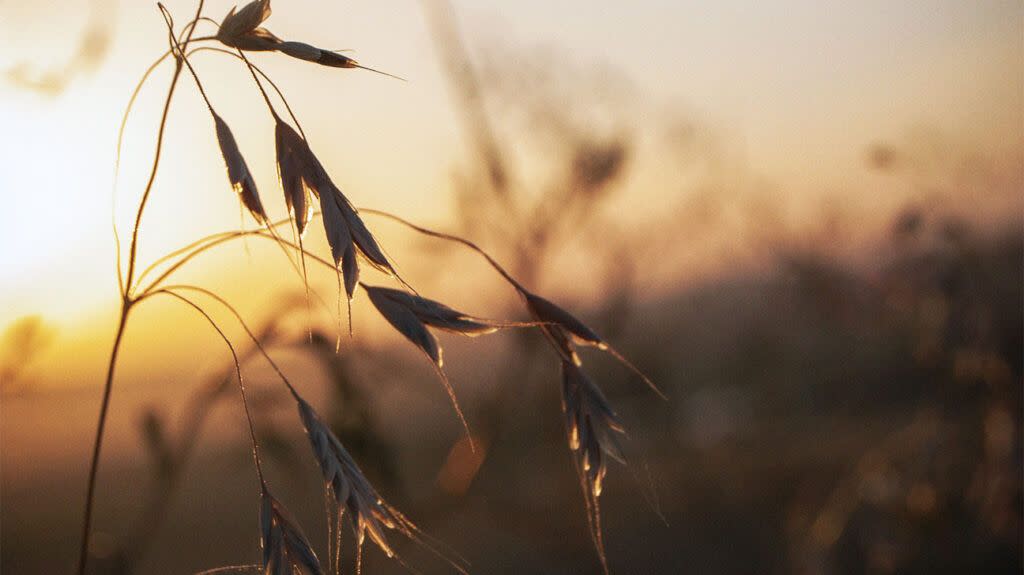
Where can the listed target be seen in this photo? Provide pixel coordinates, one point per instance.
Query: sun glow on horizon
(393, 145)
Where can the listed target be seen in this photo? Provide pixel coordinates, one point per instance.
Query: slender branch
(176, 47)
(117, 156)
(263, 91)
(203, 244)
(156, 160)
(231, 569)
(238, 316)
(238, 371)
(199, 246)
(453, 238)
(280, 94)
(83, 556)
(126, 304)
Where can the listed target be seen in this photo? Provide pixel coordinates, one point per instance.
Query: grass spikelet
(410, 314)
(238, 172)
(564, 330)
(286, 550)
(292, 171)
(302, 174)
(241, 30)
(367, 511)
(593, 430)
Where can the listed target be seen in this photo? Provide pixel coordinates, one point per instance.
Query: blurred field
(822, 419)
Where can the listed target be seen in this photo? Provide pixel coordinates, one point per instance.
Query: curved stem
(494, 264)
(255, 340)
(126, 304)
(117, 157)
(263, 91)
(238, 371)
(83, 554)
(133, 250)
(203, 244)
(180, 54)
(280, 94)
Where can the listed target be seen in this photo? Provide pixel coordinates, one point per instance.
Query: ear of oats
(402, 318)
(290, 170)
(244, 21)
(593, 430)
(286, 550)
(238, 172)
(367, 511)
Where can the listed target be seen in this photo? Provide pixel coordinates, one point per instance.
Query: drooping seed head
(353, 493)
(241, 29)
(304, 51)
(564, 330)
(293, 170)
(434, 313)
(286, 550)
(411, 314)
(591, 425)
(593, 430)
(544, 310)
(238, 172)
(302, 174)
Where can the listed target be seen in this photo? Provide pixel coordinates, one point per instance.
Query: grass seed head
(238, 172)
(544, 310)
(286, 551)
(411, 314)
(241, 29)
(564, 330)
(436, 314)
(353, 493)
(293, 168)
(401, 316)
(593, 431)
(591, 424)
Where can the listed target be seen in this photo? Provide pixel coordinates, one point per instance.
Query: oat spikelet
(593, 430)
(564, 330)
(242, 30)
(302, 174)
(286, 551)
(367, 511)
(238, 172)
(411, 314)
(292, 169)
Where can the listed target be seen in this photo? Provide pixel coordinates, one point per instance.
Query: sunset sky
(798, 90)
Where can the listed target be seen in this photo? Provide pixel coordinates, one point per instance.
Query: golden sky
(797, 90)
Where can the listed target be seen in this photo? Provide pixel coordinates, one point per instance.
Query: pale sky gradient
(800, 89)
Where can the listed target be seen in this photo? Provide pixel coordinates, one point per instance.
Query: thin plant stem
(238, 371)
(263, 91)
(230, 569)
(133, 250)
(176, 47)
(245, 326)
(117, 157)
(149, 269)
(83, 556)
(264, 75)
(441, 235)
(126, 304)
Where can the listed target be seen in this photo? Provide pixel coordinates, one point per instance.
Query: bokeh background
(802, 219)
